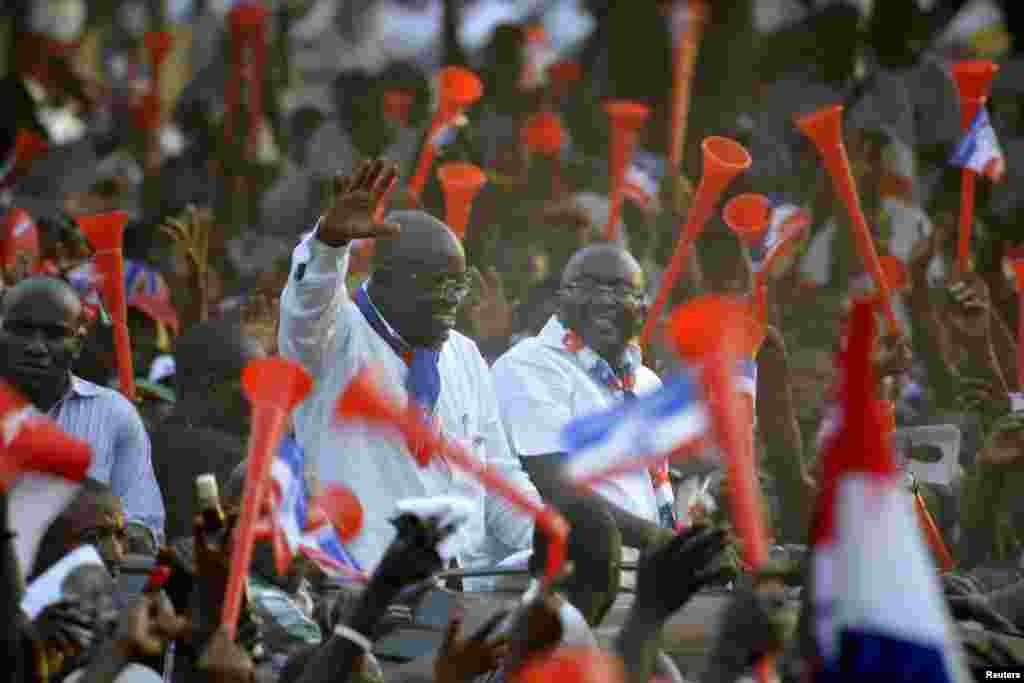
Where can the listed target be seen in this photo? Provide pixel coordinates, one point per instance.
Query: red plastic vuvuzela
(342, 509)
(571, 665)
(1014, 265)
(397, 104)
(747, 215)
(247, 22)
(461, 182)
(274, 387)
(158, 45)
(973, 83)
(33, 442)
(825, 129)
(712, 332)
(105, 234)
(724, 159)
(363, 401)
(543, 135)
(457, 90)
(625, 120)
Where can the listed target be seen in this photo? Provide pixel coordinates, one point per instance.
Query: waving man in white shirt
(402, 322)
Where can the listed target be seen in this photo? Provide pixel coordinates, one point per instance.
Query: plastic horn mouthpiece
(747, 215)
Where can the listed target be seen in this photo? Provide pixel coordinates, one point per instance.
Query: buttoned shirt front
(121, 455)
(322, 328)
(543, 385)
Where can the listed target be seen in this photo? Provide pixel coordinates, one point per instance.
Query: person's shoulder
(111, 400)
(530, 350)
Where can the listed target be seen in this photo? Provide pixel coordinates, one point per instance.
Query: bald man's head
(602, 299)
(41, 337)
(419, 278)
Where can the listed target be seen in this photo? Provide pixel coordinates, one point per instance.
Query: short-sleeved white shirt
(542, 386)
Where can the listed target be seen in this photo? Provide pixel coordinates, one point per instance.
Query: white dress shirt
(322, 329)
(543, 386)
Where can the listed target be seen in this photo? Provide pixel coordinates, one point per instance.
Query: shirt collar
(366, 288)
(82, 389)
(556, 335)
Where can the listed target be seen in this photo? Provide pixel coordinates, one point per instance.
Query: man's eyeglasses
(444, 286)
(620, 291)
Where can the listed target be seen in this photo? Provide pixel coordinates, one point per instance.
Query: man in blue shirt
(41, 335)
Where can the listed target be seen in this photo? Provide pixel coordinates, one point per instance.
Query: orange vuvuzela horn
(33, 442)
(1013, 268)
(543, 136)
(274, 387)
(973, 82)
(458, 89)
(825, 129)
(748, 216)
(397, 104)
(363, 401)
(625, 121)
(461, 182)
(724, 159)
(158, 46)
(105, 233)
(711, 331)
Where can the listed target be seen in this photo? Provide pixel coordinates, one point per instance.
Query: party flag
(651, 427)
(863, 512)
(786, 223)
(642, 179)
(305, 533)
(979, 149)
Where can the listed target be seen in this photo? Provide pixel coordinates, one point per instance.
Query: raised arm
(316, 281)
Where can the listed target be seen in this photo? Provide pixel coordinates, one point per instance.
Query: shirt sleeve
(536, 404)
(132, 478)
(310, 301)
(504, 521)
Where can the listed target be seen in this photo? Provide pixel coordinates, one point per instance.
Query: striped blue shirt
(111, 425)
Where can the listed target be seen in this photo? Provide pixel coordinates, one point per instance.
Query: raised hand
(413, 555)
(190, 233)
(462, 660)
(1005, 443)
(969, 309)
(66, 627)
(668, 577)
(489, 310)
(354, 209)
(148, 625)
